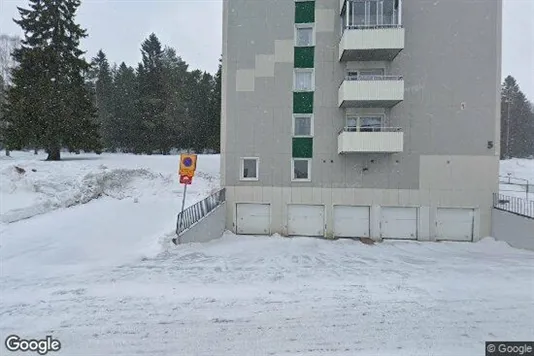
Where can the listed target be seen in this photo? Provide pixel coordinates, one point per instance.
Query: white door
(305, 220)
(398, 223)
(351, 221)
(253, 219)
(455, 224)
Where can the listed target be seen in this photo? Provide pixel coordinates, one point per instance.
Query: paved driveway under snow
(279, 296)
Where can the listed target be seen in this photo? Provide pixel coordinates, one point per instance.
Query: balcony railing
(374, 77)
(373, 27)
(369, 129)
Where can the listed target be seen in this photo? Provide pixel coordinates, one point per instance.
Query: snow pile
(44, 189)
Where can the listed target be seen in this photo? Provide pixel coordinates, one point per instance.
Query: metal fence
(519, 206)
(194, 213)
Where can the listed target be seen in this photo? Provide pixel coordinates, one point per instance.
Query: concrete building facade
(361, 118)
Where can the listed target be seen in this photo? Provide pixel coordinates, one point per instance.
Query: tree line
(52, 98)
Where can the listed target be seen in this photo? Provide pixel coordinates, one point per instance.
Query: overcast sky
(193, 27)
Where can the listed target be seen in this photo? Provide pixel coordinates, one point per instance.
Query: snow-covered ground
(520, 171)
(85, 257)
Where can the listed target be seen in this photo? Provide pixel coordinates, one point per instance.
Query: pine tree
(49, 105)
(103, 91)
(517, 122)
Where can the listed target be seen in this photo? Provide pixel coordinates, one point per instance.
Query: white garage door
(253, 219)
(455, 224)
(351, 221)
(398, 223)
(305, 220)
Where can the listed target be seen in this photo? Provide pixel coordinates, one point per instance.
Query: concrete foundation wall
(210, 228)
(516, 230)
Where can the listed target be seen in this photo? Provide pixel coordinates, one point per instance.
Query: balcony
(372, 30)
(382, 91)
(384, 139)
(371, 43)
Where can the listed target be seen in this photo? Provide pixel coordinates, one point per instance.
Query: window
(302, 125)
(249, 168)
(304, 80)
(300, 170)
(368, 13)
(364, 123)
(304, 36)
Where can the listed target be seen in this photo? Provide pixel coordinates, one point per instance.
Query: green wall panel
(304, 12)
(303, 103)
(302, 147)
(304, 57)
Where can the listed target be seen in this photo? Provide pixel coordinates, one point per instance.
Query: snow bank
(31, 186)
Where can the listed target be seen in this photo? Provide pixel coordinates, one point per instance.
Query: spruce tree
(152, 99)
(49, 105)
(103, 91)
(517, 122)
(124, 97)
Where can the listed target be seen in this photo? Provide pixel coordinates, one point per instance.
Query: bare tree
(7, 45)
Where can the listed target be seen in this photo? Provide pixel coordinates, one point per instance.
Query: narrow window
(302, 125)
(304, 36)
(301, 169)
(249, 168)
(304, 80)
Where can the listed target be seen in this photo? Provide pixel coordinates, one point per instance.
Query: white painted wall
(210, 228)
(516, 230)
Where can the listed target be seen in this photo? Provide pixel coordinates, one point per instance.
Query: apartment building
(361, 118)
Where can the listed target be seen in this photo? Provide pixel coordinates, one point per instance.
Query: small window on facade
(302, 125)
(249, 169)
(303, 80)
(304, 36)
(301, 169)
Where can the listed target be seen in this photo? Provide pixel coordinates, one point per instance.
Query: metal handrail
(369, 129)
(372, 27)
(373, 77)
(514, 205)
(196, 212)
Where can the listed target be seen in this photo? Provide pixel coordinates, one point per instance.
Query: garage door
(455, 224)
(305, 220)
(253, 219)
(351, 221)
(398, 223)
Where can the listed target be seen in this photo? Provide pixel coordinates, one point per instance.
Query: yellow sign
(188, 165)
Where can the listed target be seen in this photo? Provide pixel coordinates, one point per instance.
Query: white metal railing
(372, 27)
(519, 206)
(198, 211)
(369, 129)
(373, 77)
